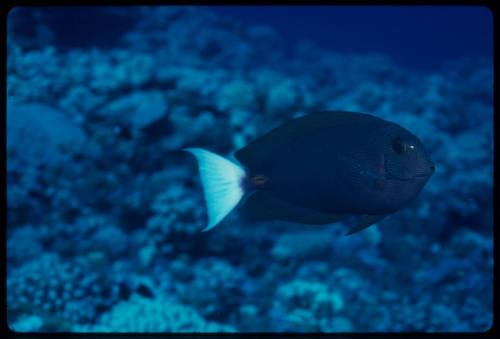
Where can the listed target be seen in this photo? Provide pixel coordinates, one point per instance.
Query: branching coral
(213, 287)
(62, 293)
(307, 306)
(140, 314)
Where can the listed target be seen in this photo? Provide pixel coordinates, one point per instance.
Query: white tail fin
(221, 180)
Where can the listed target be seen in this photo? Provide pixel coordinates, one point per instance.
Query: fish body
(326, 166)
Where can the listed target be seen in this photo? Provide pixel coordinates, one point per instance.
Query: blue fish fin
(366, 222)
(221, 180)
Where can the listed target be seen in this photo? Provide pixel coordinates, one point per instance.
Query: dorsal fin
(261, 149)
(264, 205)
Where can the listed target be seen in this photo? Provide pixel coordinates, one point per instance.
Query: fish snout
(431, 168)
(427, 171)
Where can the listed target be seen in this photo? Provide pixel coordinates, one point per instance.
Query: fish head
(404, 167)
(405, 157)
(388, 166)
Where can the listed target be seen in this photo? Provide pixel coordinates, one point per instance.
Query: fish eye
(399, 146)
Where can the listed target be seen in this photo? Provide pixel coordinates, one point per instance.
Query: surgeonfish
(318, 169)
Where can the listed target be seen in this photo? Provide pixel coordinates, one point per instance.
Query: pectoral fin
(366, 222)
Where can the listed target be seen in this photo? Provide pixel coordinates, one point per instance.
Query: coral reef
(61, 293)
(105, 210)
(140, 314)
(308, 306)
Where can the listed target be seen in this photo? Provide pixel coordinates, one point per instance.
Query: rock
(40, 133)
(139, 108)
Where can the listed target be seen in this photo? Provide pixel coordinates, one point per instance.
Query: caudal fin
(221, 180)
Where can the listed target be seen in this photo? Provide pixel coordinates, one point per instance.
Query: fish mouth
(425, 175)
(429, 173)
(418, 176)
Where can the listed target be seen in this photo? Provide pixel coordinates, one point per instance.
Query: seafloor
(104, 212)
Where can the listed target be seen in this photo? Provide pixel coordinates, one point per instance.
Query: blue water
(419, 37)
(105, 213)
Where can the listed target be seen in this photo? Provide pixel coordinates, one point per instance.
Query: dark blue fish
(318, 169)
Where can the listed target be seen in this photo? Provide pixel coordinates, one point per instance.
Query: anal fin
(366, 222)
(262, 204)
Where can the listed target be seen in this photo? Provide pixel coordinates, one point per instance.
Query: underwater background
(104, 211)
